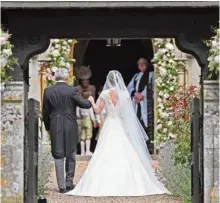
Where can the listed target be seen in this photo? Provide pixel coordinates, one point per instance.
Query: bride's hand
(91, 99)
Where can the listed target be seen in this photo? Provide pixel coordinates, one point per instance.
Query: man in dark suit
(59, 116)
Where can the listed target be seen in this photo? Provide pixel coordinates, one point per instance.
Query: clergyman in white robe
(134, 86)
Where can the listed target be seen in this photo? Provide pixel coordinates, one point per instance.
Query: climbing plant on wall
(7, 61)
(166, 68)
(214, 53)
(59, 57)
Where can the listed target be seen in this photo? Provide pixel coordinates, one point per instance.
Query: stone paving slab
(55, 197)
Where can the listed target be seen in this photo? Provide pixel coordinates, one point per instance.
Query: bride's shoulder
(103, 94)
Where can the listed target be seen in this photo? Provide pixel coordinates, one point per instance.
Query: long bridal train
(121, 164)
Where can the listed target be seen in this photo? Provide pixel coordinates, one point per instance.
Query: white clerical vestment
(136, 79)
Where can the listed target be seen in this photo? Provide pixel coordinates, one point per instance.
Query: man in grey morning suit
(59, 116)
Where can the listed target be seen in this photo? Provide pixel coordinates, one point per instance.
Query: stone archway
(32, 28)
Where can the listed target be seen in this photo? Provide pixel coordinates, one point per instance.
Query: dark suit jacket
(59, 116)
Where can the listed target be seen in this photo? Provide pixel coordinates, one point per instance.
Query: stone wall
(12, 143)
(211, 142)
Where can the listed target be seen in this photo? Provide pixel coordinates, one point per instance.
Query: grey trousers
(69, 169)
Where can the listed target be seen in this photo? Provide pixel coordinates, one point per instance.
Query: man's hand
(138, 96)
(137, 101)
(91, 99)
(100, 124)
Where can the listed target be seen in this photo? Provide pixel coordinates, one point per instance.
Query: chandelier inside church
(114, 42)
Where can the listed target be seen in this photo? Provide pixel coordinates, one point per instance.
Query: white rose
(166, 95)
(159, 100)
(217, 59)
(214, 44)
(73, 60)
(4, 61)
(67, 64)
(161, 106)
(163, 71)
(169, 46)
(160, 79)
(164, 115)
(70, 41)
(161, 93)
(159, 127)
(163, 64)
(55, 53)
(62, 63)
(162, 51)
(56, 40)
(57, 46)
(169, 123)
(165, 58)
(164, 130)
(171, 135)
(171, 61)
(54, 69)
(158, 121)
(171, 88)
(64, 48)
(160, 110)
(159, 40)
(8, 52)
(2, 40)
(64, 42)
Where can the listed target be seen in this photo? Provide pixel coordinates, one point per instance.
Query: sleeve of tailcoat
(93, 92)
(46, 111)
(80, 102)
(130, 87)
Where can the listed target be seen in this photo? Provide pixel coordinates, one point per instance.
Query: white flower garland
(7, 61)
(59, 57)
(214, 53)
(166, 68)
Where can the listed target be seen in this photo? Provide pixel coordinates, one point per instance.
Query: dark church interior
(102, 58)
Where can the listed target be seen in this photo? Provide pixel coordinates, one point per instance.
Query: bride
(121, 164)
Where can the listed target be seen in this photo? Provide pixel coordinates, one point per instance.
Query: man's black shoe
(62, 190)
(69, 188)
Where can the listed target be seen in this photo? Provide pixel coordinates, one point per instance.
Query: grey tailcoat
(59, 116)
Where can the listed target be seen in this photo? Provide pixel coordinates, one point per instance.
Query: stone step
(88, 157)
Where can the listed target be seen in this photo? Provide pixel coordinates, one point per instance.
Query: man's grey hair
(61, 74)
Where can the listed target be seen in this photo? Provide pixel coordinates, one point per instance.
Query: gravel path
(55, 197)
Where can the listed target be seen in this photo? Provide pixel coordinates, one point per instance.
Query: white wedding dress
(115, 168)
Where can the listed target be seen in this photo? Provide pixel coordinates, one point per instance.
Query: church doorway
(102, 58)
